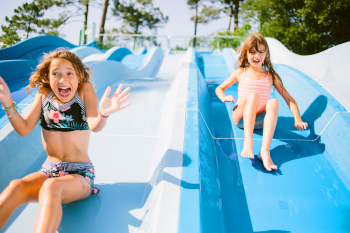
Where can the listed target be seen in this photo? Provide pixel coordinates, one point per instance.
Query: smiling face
(256, 57)
(63, 79)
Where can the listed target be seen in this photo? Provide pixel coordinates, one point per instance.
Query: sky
(178, 11)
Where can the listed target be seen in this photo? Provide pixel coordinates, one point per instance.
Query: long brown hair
(40, 76)
(255, 41)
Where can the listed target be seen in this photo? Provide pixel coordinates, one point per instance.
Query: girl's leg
(247, 108)
(19, 192)
(270, 122)
(54, 193)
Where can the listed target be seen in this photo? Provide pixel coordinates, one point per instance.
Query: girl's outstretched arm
(97, 119)
(298, 123)
(226, 84)
(22, 126)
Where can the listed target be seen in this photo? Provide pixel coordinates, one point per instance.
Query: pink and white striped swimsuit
(261, 87)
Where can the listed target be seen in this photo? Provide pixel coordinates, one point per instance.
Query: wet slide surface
(310, 191)
(124, 156)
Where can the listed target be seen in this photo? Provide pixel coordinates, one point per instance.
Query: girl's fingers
(125, 105)
(123, 93)
(116, 93)
(125, 97)
(106, 94)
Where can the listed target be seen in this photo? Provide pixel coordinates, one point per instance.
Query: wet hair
(40, 76)
(255, 42)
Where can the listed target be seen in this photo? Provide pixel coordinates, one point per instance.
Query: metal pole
(93, 31)
(80, 38)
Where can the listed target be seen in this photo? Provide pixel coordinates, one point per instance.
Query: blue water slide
(138, 156)
(16, 74)
(85, 51)
(310, 190)
(34, 48)
(123, 55)
(171, 162)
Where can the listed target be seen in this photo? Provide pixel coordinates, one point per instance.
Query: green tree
(303, 26)
(206, 14)
(231, 7)
(25, 20)
(28, 19)
(103, 19)
(10, 36)
(232, 42)
(138, 15)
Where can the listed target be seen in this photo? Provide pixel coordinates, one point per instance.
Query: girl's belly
(66, 146)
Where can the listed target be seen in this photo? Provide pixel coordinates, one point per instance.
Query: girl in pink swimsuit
(254, 86)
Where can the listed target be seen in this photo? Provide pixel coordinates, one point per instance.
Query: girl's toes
(274, 167)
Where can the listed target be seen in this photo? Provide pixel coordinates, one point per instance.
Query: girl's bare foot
(265, 157)
(247, 151)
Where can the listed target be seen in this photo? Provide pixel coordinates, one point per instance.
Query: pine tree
(28, 19)
(206, 14)
(139, 15)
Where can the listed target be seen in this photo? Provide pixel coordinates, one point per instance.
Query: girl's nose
(62, 79)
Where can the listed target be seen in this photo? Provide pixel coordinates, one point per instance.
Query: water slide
(170, 162)
(310, 190)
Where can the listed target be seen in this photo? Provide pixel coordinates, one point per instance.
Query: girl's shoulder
(43, 92)
(270, 77)
(239, 73)
(85, 89)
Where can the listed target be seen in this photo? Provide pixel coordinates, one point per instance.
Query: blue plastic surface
(308, 193)
(34, 48)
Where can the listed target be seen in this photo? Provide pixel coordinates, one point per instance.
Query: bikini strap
(47, 99)
(80, 101)
(267, 74)
(244, 72)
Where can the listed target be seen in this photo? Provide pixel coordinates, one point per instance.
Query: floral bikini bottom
(84, 169)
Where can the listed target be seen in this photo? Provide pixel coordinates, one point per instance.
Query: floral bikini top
(67, 117)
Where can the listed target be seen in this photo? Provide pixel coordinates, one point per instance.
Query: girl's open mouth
(256, 61)
(64, 91)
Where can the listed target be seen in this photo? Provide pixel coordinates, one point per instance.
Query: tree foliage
(303, 26)
(138, 15)
(25, 20)
(29, 19)
(232, 42)
(203, 14)
(231, 8)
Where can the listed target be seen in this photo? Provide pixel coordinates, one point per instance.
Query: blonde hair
(39, 77)
(254, 41)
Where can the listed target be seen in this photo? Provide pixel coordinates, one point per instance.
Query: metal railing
(174, 42)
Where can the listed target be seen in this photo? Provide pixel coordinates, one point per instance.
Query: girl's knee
(17, 189)
(52, 188)
(17, 186)
(272, 105)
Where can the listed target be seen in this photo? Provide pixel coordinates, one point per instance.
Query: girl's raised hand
(4, 92)
(300, 125)
(229, 98)
(110, 105)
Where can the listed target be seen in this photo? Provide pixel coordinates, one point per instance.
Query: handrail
(171, 36)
